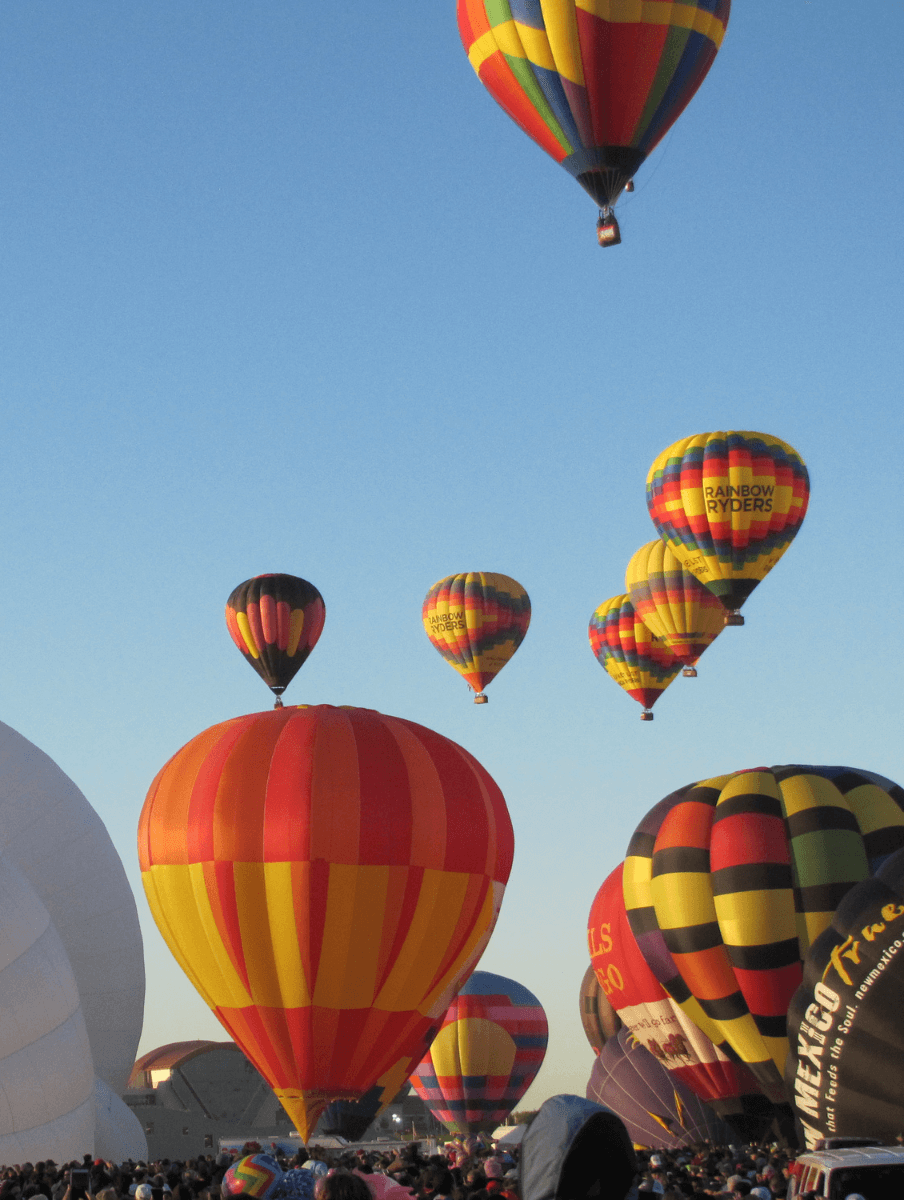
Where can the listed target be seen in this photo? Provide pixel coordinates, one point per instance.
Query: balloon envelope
(624, 646)
(598, 1017)
(596, 86)
(728, 881)
(485, 1056)
(275, 621)
(845, 1072)
(673, 603)
(728, 505)
(659, 1112)
(476, 621)
(327, 878)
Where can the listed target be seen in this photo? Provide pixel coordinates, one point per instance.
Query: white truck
(874, 1172)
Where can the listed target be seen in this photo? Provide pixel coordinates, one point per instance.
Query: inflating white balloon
(46, 1072)
(56, 839)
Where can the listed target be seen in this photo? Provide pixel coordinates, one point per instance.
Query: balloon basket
(480, 698)
(279, 703)
(646, 715)
(607, 231)
(734, 618)
(689, 672)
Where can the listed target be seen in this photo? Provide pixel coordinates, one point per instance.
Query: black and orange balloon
(275, 620)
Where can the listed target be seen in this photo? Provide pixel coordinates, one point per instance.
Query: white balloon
(46, 1071)
(53, 835)
(118, 1133)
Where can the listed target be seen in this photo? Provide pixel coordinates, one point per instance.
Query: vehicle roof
(852, 1156)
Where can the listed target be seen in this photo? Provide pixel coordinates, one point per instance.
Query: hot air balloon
(728, 505)
(658, 1111)
(657, 1020)
(596, 86)
(477, 621)
(485, 1056)
(728, 881)
(673, 604)
(275, 620)
(845, 1072)
(639, 663)
(599, 1019)
(327, 878)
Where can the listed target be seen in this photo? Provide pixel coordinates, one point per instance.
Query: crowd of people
(478, 1173)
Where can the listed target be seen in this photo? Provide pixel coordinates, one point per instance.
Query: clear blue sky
(283, 290)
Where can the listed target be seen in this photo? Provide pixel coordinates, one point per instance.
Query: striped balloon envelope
(476, 621)
(728, 505)
(728, 881)
(640, 663)
(659, 1112)
(598, 1018)
(596, 83)
(673, 603)
(659, 1023)
(327, 878)
(275, 621)
(485, 1056)
(256, 1175)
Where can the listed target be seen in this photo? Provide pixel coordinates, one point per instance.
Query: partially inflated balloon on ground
(673, 603)
(658, 1111)
(328, 879)
(845, 1071)
(728, 881)
(485, 1056)
(728, 505)
(640, 663)
(476, 621)
(659, 1022)
(275, 621)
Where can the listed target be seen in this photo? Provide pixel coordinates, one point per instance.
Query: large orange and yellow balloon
(673, 603)
(476, 621)
(328, 879)
(275, 621)
(728, 505)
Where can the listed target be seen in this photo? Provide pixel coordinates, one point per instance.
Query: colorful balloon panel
(624, 646)
(728, 505)
(476, 621)
(596, 83)
(650, 1013)
(599, 1019)
(327, 878)
(255, 1175)
(275, 621)
(728, 881)
(485, 1056)
(845, 1071)
(673, 603)
(659, 1112)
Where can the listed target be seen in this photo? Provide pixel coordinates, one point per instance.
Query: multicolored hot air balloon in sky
(728, 881)
(673, 603)
(275, 621)
(485, 1056)
(659, 1112)
(596, 84)
(476, 621)
(728, 505)
(625, 647)
(328, 879)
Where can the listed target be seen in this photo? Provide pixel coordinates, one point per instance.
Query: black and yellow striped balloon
(727, 882)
